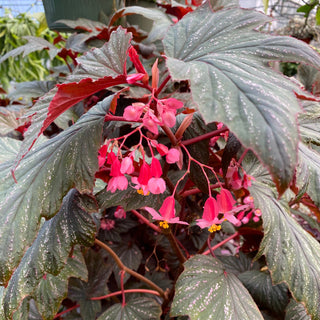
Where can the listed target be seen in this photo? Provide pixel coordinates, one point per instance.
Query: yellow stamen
(140, 191)
(164, 224)
(214, 228)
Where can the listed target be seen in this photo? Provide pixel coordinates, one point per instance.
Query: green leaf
(81, 291)
(53, 289)
(97, 68)
(291, 253)
(223, 4)
(161, 21)
(34, 44)
(8, 149)
(308, 172)
(44, 177)
(239, 264)
(131, 257)
(267, 296)
(129, 199)
(205, 291)
(225, 62)
(296, 311)
(309, 123)
(318, 15)
(50, 251)
(135, 309)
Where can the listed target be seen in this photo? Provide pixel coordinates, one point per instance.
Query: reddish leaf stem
(128, 270)
(196, 190)
(110, 117)
(66, 311)
(146, 221)
(204, 136)
(165, 81)
(117, 293)
(222, 243)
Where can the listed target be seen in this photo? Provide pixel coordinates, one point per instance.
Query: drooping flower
(173, 155)
(210, 216)
(166, 213)
(144, 175)
(117, 183)
(102, 154)
(156, 185)
(127, 166)
(133, 112)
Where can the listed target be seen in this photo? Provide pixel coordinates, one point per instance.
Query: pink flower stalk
(156, 185)
(120, 213)
(117, 183)
(133, 112)
(166, 213)
(127, 166)
(173, 155)
(210, 216)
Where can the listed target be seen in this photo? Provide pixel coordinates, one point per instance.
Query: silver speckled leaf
(205, 291)
(53, 289)
(308, 172)
(49, 252)
(44, 177)
(225, 60)
(296, 311)
(135, 309)
(292, 254)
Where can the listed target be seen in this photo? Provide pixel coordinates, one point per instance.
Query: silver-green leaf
(205, 291)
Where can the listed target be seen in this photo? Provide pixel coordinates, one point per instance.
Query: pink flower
(133, 112)
(115, 168)
(102, 154)
(155, 169)
(141, 188)
(144, 174)
(210, 216)
(166, 213)
(168, 118)
(150, 121)
(127, 166)
(173, 155)
(225, 200)
(107, 224)
(133, 78)
(172, 103)
(117, 183)
(156, 185)
(120, 213)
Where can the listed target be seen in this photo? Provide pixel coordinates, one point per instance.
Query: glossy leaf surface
(50, 251)
(292, 254)
(224, 59)
(135, 309)
(205, 291)
(44, 177)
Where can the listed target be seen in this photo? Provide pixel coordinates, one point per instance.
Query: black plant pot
(74, 9)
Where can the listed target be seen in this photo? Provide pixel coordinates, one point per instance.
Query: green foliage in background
(23, 68)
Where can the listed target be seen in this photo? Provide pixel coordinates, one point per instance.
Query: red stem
(165, 81)
(146, 221)
(127, 291)
(204, 136)
(222, 243)
(110, 117)
(65, 311)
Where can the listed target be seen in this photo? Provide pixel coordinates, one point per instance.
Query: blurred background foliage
(34, 66)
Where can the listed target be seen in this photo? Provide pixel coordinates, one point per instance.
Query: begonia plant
(172, 174)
